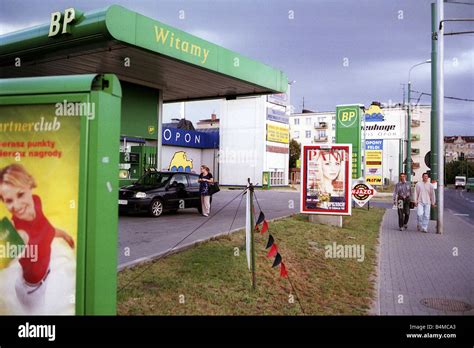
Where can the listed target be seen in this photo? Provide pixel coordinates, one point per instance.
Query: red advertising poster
(325, 179)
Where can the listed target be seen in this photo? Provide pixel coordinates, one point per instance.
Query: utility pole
(434, 129)
(408, 165)
(400, 141)
(400, 155)
(440, 111)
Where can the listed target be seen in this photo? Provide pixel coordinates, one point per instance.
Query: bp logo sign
(362, 193)
(347, 117)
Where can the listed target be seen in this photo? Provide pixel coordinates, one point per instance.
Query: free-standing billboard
(326, 179)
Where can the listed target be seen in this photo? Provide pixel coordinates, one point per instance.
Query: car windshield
(154, 179)
(470, 180)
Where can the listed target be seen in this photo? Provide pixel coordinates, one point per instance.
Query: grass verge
(210, 280)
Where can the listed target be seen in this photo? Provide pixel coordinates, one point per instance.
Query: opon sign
(362, 193)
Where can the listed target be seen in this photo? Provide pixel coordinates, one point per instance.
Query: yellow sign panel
(278, 134)
(373, 158)
(374, 179)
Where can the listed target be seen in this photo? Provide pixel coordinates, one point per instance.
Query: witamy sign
(168, 38)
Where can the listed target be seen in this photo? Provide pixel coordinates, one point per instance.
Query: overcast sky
(310, 41)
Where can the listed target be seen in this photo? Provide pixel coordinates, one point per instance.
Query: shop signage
(277, 116)
(59, 20)
(348, 132)
(278, 134)
(167, 37)
(362, 193)
(278, 99)
(190, 138)
(325, 179)
(374, 161)
(277, 149)
(381, 126)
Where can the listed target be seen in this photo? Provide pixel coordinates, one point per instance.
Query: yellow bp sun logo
(151, 129)
(180, 162)
(347, 117)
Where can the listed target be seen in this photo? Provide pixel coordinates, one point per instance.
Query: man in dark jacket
(401, 197)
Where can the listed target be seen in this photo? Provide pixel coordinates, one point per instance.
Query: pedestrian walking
(424, 199)
(205, 179)
(401, 197)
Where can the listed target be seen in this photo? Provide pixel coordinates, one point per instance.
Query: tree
(461, 168)
(295, 151)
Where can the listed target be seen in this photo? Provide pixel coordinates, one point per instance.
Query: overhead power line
(446, 97)
(460, 3)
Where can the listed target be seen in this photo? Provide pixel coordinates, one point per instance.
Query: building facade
(313, 127)
(208, 123)
(455, 147)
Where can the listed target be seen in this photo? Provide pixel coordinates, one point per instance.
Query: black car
(156, 192)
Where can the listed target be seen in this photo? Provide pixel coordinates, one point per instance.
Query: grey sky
(379, 41)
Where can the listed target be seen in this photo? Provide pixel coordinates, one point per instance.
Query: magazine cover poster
(39, 184)
(325, 179)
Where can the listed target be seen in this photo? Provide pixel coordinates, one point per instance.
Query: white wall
(242, 141)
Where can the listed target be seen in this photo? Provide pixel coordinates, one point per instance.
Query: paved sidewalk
(418, 265)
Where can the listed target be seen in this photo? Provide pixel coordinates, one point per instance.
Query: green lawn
(209, 280)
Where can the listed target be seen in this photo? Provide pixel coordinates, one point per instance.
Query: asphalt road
(461, 203)
(142, 237)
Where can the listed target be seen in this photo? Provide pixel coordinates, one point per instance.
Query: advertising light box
(58, 195)
(326, 179)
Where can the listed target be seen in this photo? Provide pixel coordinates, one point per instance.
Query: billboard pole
(440, 112)
(252, 237)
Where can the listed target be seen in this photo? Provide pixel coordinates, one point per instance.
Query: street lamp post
(408, 166)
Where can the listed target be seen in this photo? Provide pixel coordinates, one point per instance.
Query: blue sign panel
(374, 144)
(277, 116)
(190, 138)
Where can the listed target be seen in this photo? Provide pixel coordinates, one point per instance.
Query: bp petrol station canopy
(139, 50)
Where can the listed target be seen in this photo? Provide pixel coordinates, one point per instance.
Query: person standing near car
(205, 178)
(424, 199)
(401, 197)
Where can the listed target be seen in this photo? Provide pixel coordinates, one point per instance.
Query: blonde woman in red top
(16, 192)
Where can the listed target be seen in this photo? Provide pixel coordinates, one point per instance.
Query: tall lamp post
(408, 167)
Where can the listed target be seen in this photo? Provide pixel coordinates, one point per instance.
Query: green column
(409, 133)
(434, 107)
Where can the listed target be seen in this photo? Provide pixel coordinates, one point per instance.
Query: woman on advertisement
(31, 286)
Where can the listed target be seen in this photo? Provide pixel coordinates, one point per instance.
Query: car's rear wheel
(156, 208)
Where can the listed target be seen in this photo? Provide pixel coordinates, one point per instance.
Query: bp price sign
(362, 193)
